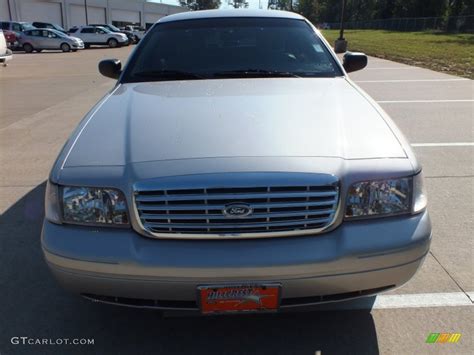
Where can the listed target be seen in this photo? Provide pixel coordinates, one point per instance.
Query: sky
(253, 4)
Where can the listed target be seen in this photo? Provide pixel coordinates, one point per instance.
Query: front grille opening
(185, 192)
(236, 190)
(186, 202)
(139, 302)
(273, 208)
(193, 306)
(334, 297)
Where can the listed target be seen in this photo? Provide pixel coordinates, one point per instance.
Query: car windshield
(27, 26)
(59, 33)
(106, 30)
(58, 28)
(113, 28)
(231, 48)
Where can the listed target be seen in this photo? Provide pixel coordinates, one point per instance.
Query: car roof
(191, 15)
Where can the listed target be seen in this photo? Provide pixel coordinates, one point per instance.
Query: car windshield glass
(27, 26)
(106, 30)
(231, 48)
(58, 28)
(113, 28)
(59, 33)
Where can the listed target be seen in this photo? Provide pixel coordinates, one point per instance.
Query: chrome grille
(198, 212)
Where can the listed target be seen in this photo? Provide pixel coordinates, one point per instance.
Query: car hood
(196, 119)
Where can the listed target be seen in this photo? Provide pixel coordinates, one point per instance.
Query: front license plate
(239, 298)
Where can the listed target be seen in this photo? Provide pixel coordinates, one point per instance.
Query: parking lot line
(454, 144)
(421, 101)
(410, 80)
(421, 300)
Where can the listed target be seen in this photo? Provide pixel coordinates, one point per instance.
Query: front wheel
(28, 48)
(113, 43)
(65, 47)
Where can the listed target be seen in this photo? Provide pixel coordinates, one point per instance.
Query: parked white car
(5, 53)
(94, 35)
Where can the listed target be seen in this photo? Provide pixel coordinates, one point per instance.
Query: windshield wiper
(167, 75)
(256, 73)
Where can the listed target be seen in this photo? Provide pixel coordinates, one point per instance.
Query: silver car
(39, 39)
(235, 167)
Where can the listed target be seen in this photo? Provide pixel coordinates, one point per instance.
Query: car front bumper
(78, 45)
(358, 258)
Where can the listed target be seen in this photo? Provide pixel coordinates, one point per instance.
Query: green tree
(200, 4)
(311, 9)
(238, 4)
(279, 5)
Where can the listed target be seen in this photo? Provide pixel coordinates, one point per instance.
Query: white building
(68, 13)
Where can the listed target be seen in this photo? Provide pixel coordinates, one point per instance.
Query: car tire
(28, 48)
(113, 43)
(65, 47)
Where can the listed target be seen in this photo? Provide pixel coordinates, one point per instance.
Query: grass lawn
(450, 53)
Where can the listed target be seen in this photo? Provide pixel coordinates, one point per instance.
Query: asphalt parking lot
(42, 98)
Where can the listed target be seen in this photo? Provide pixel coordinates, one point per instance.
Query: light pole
(85, 9)
(341, 32)
(341, 44)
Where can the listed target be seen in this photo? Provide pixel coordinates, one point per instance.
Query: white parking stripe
(421, 300)
(458, 144)
(421, 101)
(410, 80)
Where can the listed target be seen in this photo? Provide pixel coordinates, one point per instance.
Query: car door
(32, 37)
(101, 35)
(87, 35)
(52, 40)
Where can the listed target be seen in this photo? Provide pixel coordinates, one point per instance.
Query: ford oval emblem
(237, 210)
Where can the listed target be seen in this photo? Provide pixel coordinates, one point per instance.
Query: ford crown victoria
(235, 167)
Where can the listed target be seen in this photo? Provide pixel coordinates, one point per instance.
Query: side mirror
(111, 68)
(354, 61)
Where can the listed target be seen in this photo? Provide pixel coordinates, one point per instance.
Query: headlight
(386, 197)
(86, 205)
(91, 205)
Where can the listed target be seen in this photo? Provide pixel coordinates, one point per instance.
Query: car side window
(16, 27)
(87, 30)
(73, 30)
(5, 25)
(98, 30)
(35, 33)
(49, 34)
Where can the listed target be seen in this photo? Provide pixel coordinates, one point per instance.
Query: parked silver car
(235, 167)
(39, 39)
